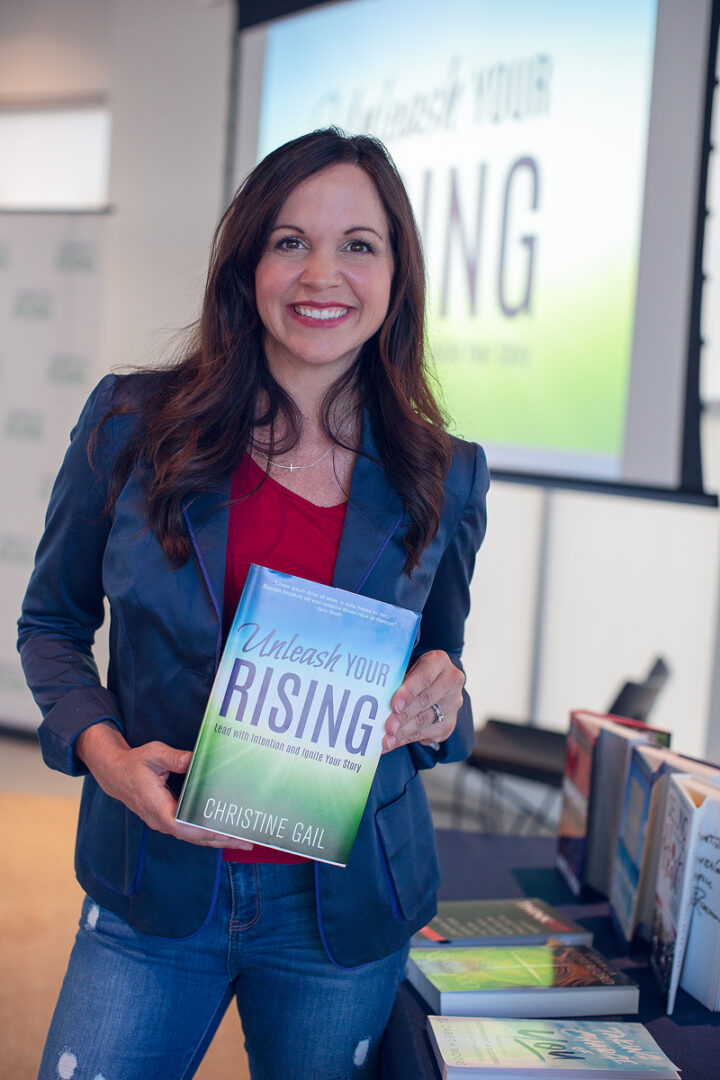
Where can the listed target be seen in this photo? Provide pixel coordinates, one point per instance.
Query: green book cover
(572, 1049)
(293, 728)
(523, 980)
(490, 967)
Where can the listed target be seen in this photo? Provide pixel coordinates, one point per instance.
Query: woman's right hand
(138, 778)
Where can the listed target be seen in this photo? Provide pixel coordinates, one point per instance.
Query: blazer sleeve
(64, 602)
(447, 607)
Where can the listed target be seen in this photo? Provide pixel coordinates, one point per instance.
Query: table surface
(478, 866)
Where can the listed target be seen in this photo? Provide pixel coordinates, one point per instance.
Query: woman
(299, 432)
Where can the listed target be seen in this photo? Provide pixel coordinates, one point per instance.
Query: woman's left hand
(432, 680)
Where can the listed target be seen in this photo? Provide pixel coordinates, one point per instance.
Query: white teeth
(320, 313)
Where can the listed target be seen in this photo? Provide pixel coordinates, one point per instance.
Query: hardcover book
(700, 975)
(525, 921)
(632, 893)
(527, 980)
(597, 764)
(293, 728)
(684, 952)
(475, 1049)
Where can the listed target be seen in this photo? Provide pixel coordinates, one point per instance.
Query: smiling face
(322, 285)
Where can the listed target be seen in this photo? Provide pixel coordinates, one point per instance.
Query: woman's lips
(320, 315)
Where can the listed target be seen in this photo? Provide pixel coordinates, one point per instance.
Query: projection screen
(556, 156)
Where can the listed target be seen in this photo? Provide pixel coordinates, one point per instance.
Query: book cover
(643, 774)
(685, 943)
(673, 887)
(700, 974)
(293, 728)
(632, 891)
(524, 980)
(572, 841)
(517, 921)
(470, 1049)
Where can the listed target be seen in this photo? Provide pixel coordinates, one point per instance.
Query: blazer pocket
(111, 840)
(407, 850)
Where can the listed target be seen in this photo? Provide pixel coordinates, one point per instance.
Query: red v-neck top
(272, 526)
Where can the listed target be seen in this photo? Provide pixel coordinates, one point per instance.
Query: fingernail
(391, 742)
(399, 705)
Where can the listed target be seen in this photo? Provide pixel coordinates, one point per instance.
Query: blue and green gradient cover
(293, 729)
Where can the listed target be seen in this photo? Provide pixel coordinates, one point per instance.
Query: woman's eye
(359, 246)
(289, 243)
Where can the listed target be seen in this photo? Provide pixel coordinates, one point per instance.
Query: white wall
(624, 579)
(164, 67)
(169, 76)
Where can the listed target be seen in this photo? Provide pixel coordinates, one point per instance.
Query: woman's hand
(138, 778)
(432, 680)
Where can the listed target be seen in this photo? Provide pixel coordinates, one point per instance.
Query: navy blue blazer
(165, 634)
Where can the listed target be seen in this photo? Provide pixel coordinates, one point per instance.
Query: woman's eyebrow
(363, 228)
(295, 228)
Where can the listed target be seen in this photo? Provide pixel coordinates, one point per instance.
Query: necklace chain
(294, 468)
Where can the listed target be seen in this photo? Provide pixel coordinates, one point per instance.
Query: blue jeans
(140, 1007)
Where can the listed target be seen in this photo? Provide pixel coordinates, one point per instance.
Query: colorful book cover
(469, 1048)
(643, 775)
(632, 893)
(293, 728)
(529, 980)
(516, 921)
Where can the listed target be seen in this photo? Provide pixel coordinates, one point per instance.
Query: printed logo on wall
(76, 257)
(44, 487)
(67, 370)
(50, 339)
(25, 424)
(33, 304)
(17, 549)
(11, 676)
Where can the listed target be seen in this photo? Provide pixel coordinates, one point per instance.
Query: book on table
(516, 921)
(523, 980)
(477, 1048)
(596, 766)
(632, 893)
(685, 940)
(292, 732)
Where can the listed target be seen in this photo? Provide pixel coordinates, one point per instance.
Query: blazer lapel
(374, 514)
(206, 518)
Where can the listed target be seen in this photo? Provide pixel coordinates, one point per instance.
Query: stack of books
(498, 975)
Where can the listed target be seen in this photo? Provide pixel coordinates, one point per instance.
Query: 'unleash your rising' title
(299, 707)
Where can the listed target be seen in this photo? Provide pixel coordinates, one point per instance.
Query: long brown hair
(197, 416)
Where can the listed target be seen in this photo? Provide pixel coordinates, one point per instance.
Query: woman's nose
(320, 269)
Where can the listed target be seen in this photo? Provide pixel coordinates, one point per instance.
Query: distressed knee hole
(361, 1053)
(67, 1064)
(92, 917)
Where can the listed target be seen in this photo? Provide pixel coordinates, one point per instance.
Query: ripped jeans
(140, 1007)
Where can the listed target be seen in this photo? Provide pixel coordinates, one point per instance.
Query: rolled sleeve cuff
(76, 711)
